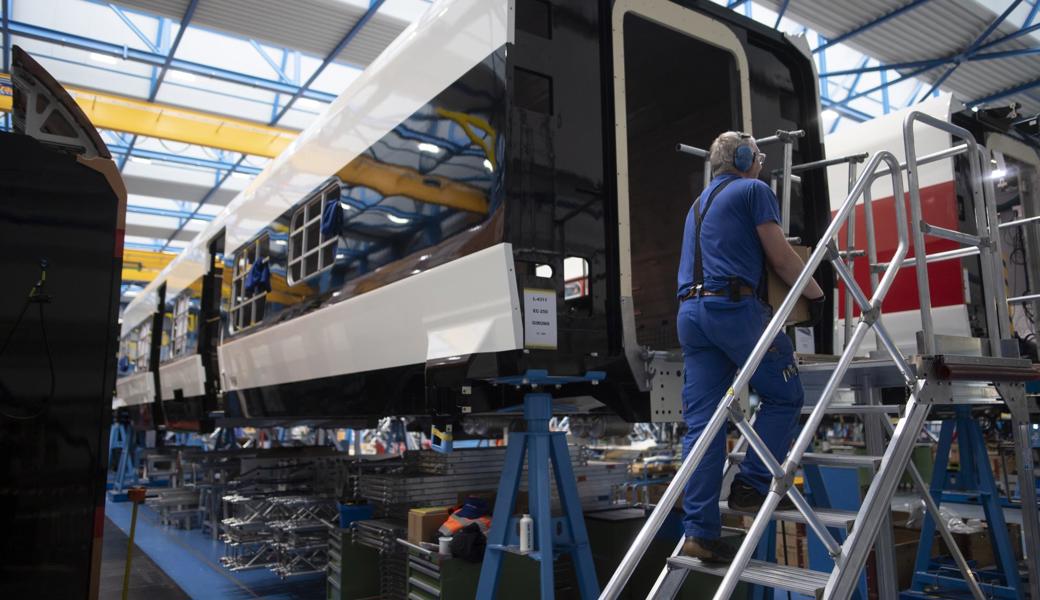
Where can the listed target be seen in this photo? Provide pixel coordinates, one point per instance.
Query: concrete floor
(147, 580)
(190, 562)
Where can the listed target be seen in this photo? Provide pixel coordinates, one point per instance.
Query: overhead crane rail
(167, 122)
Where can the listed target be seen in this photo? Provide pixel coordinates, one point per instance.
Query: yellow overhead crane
(163, 121)
(130, 115)
(144, 265)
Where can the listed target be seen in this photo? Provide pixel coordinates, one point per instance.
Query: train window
(535, 16)
(144, 347)
(575, 278)
(248, 302)
(180, 324)
(312, 246)
(533, 91)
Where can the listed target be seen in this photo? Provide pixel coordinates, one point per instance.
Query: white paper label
(539, 318)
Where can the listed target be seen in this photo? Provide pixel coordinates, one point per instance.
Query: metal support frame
(868, 26)
(122, 436)
(566, 534)
(971, 49)
(974, 474)
(373, 8)
(158, 59)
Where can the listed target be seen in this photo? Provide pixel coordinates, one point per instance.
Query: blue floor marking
(193, 561)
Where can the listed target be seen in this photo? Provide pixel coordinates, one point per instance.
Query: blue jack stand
(551, 535)
(122, 436)
(973, 484)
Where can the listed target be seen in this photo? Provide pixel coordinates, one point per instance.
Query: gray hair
(724, 148)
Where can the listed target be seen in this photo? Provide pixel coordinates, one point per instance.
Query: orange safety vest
(456, 523)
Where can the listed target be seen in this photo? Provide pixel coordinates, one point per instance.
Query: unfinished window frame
(308, 257)
(242, 306)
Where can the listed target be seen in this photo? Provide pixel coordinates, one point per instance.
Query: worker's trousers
(717, 336)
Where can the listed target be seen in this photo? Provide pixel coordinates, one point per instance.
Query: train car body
(61, 228)
(946, 203)
(498, 195)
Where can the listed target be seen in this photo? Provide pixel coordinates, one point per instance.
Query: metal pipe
(785, 199)
(1018, 222)
(814, 522)
(852, 288)
(929, 158)
(850, 239)
(914, 185)
(996, 253)
(950, 234)
(903, 246)
(885, 340)
(845, 577)
(687, 149)
(1028, 298)
(780, 136)
(940, 524)
(933, 258)
(852, 159)
(415, 547)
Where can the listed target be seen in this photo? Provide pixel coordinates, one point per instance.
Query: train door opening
(680, 77)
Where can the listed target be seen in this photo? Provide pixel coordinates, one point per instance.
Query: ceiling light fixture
(103, 58)
(429, 148)
(396, 220)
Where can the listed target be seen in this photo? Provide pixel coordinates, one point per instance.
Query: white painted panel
(185, 374)
(142, 307)
(434, 52)
(903, 327)
(135, 389)
(886, 133)
(466, 306)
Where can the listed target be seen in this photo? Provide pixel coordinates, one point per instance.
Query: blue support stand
(974, 484)
(122, 436)
(552, 535)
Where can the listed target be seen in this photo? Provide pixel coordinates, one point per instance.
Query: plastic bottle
(526, 533)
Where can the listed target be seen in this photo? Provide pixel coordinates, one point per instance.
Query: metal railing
(783, 474)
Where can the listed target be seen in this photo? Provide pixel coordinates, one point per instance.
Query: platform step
(857, 409)
(831, 517)
(829, 459)
(801, 581)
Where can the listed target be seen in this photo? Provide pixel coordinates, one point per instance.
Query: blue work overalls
(717, 335)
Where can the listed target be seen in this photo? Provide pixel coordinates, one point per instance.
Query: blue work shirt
(729, 239)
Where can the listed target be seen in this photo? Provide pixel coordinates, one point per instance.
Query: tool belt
(735, 291)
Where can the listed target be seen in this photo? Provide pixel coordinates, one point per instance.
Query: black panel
(52, 466)
(534, 16)
(533, 91)
(677, 90)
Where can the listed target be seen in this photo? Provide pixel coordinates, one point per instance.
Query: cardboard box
(423, 523)
(777, 290)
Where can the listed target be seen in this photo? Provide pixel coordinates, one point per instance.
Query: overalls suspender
(698, 265)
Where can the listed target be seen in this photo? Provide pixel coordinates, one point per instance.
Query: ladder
(930, 378)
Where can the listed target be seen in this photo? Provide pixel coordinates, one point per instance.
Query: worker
(731, 231)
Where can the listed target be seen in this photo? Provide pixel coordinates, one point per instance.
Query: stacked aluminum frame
(382, 535)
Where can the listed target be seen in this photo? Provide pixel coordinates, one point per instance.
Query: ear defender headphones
(744, 155)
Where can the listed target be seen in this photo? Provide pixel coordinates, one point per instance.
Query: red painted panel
(939, 207)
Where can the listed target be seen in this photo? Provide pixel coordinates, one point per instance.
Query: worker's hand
(816, 308)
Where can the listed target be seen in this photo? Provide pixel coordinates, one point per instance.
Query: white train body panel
(185, 374)
(467, 306)
(434, 52)
(135, 389)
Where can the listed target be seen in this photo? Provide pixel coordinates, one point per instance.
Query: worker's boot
(744, 498)
(708, 550)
